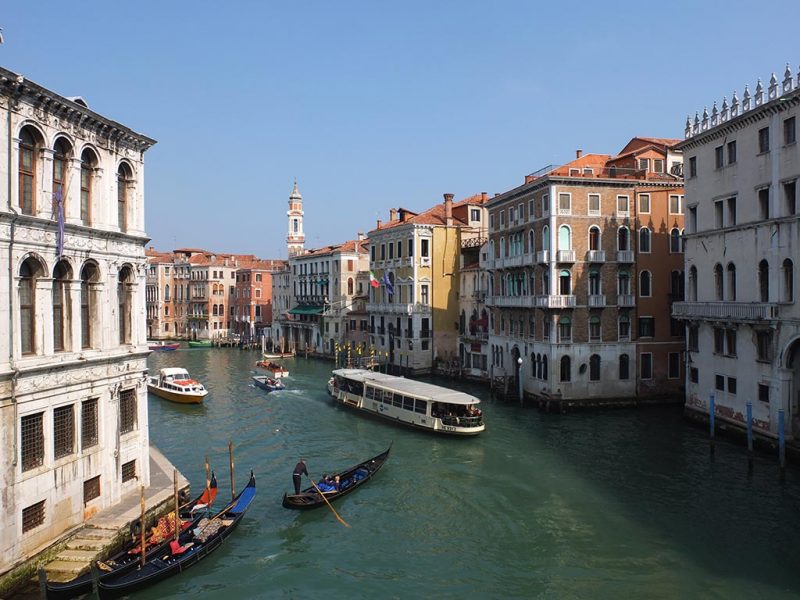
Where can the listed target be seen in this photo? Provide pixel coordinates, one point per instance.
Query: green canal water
(595, 505)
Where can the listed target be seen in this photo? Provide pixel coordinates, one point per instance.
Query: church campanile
(296, 239)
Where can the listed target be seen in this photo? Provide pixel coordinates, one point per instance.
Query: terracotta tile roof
(435, 214)
(348, 246)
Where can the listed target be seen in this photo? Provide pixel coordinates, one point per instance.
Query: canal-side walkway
(102, 534)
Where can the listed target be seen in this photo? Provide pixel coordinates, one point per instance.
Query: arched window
(124, 304)
(546, 238)
(546, 282)
(29, 272)
(123, 184)
(624, 367)
(89, 279)
(693, 283)
(644, 239)
(731, 282)
(594, 367)
(27, 171)
(788, 280)
(564, 238)
(61, 307)
(594, 283)
(544, 367)
(676, 285)
(531, 242)
(623, 283)
(718, 283)
(624, 325)
(166, 293)
(645, 281)
(88, 164)
(538, 371)
(214, 310)
(566, 368)
(61, 153)
(349, 286)
(763, 281)
(565, 283)
(594, 238)
(675, 245)
(594, 328)
(623, 239)
(564, 329)
(491, 250)
(502, 247)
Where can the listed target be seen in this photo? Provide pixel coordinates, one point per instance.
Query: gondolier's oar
(335, 514)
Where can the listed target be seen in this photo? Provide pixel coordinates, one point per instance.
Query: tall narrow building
(295, 240)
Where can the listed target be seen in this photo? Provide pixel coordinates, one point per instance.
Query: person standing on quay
(299, 469)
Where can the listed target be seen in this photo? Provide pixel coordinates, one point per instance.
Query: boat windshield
(350, 386)
(457, 415)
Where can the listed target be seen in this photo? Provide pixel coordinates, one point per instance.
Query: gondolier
(299, 469)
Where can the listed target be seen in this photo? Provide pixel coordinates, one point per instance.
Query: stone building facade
(73, 398)
(742, 246)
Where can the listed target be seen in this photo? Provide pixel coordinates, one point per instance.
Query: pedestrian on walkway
(299, 469)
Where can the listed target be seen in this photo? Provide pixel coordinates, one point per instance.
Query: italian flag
(373, 281)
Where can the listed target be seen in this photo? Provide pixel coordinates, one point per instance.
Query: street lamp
(519, 377)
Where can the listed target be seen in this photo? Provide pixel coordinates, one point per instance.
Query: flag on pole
(58, 209)
(388, 283)
(373, 281)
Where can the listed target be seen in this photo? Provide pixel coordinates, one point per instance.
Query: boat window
(398, 400)
(387, 396)
(408, 403)
(370, 392)
(421, 406)
(378, 395)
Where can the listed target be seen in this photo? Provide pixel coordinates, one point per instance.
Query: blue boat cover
(244, 500)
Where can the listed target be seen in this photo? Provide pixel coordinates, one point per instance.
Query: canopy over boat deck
(408, 387)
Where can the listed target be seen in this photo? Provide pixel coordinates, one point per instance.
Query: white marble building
(741, 165)
(73, 399)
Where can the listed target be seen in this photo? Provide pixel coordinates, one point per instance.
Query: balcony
(596, 256)
(725, 311)
(514, 301)
(624, 256)
(626, 300)
(597, 300)
(565, 256)
(555, 301)
(512, 261)
(543, 256)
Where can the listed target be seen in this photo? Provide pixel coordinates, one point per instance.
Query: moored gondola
(192, 546)
(130, 555)
(349, 480)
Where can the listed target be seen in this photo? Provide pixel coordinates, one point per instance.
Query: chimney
(578, 153)
(448, 209)
(361, 236)
(392, 215)
(379, 224)
(484, 196)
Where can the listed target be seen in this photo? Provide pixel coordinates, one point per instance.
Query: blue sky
(373, 105)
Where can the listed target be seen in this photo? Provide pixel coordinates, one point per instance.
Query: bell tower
(295, 240)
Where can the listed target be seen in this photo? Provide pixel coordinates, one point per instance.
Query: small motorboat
(268, 383)
(274, 370)
(175, 384)
(162, 346)
(277, 355)
(200, 344)
(349, 480)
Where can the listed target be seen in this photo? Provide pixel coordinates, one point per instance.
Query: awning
(307, 310)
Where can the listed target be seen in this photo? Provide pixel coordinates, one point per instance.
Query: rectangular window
(658, 165)
(32, 441)
(719, 157)
(372, 257)
(691, 224)
(732, 152)
(624, 328)
(530, 210)
(502, 219)
(789, 133)
(730, 339)
(764, 345)
(674, 366)
(63, 431)
(646, 365)
(719, 383)
(763, 203)
(623, 206)
(692, 166)
(644, 164)
(718, 214)
(491, 222)
(411, 247)
(424, 248)
(676, 205)
(763, 393)
(763, 140)
(732, 385)
(545, 203)
(694, 375)
(719, 340)
(647, 326)
(790, 198)
(32, 516)
(128, 471)
(511, 215)
(731, 212)
(594, 204)
(564, 204)
(127, 410)
(91, 489)
(693, 343)
(644, 203)
(475, 215)
(424, 299)
(383, 251)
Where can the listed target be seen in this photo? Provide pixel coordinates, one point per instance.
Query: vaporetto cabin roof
(409, 387)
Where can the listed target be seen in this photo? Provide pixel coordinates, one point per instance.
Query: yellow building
(414, 297)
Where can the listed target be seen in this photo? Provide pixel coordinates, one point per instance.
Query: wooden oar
(335, 514)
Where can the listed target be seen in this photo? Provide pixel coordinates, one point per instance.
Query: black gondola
(196, 544)
(127, 558)
(350, 479)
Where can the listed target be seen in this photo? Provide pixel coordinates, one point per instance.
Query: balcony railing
(514, 301)
(552, 301)
(626, 300)
(596, 256)
(543, 256)
(597, 300)
(624, 256)
(726, 311)
(566, 256)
